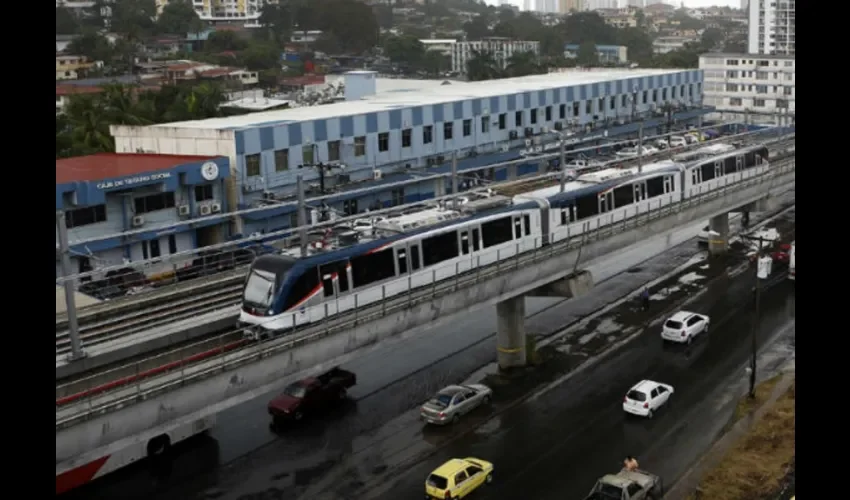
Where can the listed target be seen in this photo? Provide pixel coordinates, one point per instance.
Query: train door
(696, 176)
(606, 202)
(718, 169)
(476, 239)
(401, 260)
(640, 191)
(739, 163)
(414, 257)
(334, 278)
(465, 244)
(668, 184)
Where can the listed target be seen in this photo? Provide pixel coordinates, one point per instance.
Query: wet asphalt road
(260, 463)
(557, 444)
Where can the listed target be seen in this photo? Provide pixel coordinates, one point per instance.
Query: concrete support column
(718, 237)
(511, 172)
(439, 187)
(511, 333)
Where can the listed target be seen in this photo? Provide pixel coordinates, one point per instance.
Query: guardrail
(100, 400)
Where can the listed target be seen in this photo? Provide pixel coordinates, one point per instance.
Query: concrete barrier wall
(605, 257)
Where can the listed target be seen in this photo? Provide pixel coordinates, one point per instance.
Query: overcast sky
(688, 3)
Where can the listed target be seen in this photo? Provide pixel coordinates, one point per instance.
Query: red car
(312, 395)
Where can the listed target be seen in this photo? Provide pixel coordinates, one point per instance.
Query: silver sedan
(454, 401)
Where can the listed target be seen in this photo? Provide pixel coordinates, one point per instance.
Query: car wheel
(489, 479)
(455, 418)
(649, 414)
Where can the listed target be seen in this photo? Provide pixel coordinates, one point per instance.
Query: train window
(496, 232)
(439, 248)
(372, 267)
(739, 163)
(402, 261)
(464, 243)
(587, 206)
(302, 288)
(328, 271)
(564, 217)
(624, 195)
(476, 235)
(749, 160)
(730, 165)
(707, 171)
(654, 187)
(695, 176)
(517, 228)
(526, 222)
(414, 257)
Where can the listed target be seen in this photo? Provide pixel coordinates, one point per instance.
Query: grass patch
(747, 405)
(756, 465)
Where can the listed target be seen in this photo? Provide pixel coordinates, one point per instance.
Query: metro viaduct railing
(139, 390)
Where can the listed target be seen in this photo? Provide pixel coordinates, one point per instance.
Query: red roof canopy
(110, 165)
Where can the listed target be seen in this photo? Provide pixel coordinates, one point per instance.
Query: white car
(646, 397)
(677, 141)
(702, 236)
(633, 152)
(683, 326)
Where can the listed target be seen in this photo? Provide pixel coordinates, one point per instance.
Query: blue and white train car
(283, 292)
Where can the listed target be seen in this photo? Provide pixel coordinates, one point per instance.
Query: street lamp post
(763, 268)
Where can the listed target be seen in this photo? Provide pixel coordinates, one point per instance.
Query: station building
(108, 194)
(371, 139)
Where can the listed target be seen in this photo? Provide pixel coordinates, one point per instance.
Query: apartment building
(247, 11)
(567, 6)
(501, 48)
(772, 27)
(759, 84)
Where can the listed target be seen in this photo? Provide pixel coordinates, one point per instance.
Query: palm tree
(523, 64)
(482, 66)
(88, 125)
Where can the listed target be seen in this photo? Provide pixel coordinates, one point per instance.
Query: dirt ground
(757, 467)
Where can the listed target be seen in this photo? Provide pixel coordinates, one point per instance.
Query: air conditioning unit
(528, 143)
(138, 220)
(268, 195)
(513, 134)
(205, 210)
(215, 207)
(377, 174)
(183, 210)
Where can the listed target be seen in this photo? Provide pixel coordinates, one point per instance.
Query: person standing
(644, 299)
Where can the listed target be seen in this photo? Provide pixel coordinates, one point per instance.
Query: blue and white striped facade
(268, 148)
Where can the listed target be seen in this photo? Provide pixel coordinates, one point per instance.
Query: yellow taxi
(457, 478)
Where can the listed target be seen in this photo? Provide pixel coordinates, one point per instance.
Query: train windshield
(259, 289)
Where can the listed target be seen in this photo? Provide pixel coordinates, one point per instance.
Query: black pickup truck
(312, 396)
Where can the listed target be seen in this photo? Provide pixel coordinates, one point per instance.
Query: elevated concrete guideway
(88, 429)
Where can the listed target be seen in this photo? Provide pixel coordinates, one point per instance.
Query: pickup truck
(627, 485)
(312, 395)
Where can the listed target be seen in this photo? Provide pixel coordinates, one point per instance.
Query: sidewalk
(689, 482)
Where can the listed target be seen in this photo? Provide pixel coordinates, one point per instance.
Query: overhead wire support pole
(302, 215)
(455, 199)
(640, 147)
(563, 163)
(70, 297)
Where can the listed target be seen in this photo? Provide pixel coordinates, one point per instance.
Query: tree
(66, 22)
(224, 41)
(133, 18)
(588, 27)
(640, 19)
(260, 56)
(638, 42)
(711, 38)
(687, 22)
(179, 17)
(277, 18)
(383, 15)
(435, 63)
(482, 66)
(587, 55)
(523, 64)
(477, 28)
(93, 45)
(404, 50)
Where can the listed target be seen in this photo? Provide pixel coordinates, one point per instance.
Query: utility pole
(454, 182)
(563, 162)
(640, 148)
(763, 269)
(302, 215)
(70, 299)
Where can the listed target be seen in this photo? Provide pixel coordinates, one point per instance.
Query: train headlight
(269, 313)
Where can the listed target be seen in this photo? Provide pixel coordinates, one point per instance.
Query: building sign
(132, 181)
(209, 171)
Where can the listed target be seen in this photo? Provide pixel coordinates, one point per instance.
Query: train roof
(415, 220)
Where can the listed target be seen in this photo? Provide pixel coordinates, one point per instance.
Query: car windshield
(675, 325)
(295, 390)
(259, 289)
(436, 481)
(636, 395)
(442, 400)
(608, 491)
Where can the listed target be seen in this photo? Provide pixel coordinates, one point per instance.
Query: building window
(203, 192)
(150, 249)
(333, 151)
(731, 62)
(252, 165)
(349, 207)
(427, 134)
(467, 128)
(153, 202)
(761, 89)
(562, 111)
(360, 146)
(601, 107)
(307, 156)
(588, 107)
(575, 109)
(281, 160)
(485, 124)
(548, 113)
(655, 95)
(759, 103)
(533, 116)
(293, 220)
(731, 87)
(397, 197)
(405, 137)
(172, 244)
(85, 216)
(383, 142)
(612, 102)
(788, 90)
(735, 101)
(664, 94)
(518, 119)
(503, 121)
(447, 130)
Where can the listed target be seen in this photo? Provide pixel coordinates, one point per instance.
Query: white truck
(792, 262)
(627, 485)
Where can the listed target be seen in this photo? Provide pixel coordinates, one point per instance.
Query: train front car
(261, 294)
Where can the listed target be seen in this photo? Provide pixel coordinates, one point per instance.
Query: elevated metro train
(282, 292)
